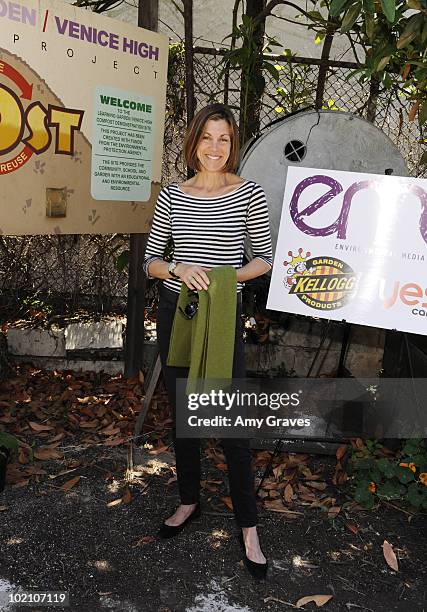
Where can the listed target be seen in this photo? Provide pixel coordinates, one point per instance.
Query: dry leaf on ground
(21, 483)
(35, 471)
(158, 450)
(40, 427)
(114, 442)
(70, 483)
(109, 431)
(276, 505)
(144, 541)
(340, 452)
(390, 556)
(115, 502)
(333, 511)
(127, 496)
(319, 600)
(288, 493)
(352, 527)
(46, 454)
(57, 438)
(320, 486)
(227, 501)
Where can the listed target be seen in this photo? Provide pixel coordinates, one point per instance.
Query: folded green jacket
(205, 343)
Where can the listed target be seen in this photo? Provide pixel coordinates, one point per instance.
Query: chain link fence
(57, 275)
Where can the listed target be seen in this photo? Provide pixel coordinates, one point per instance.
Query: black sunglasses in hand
(191, 308)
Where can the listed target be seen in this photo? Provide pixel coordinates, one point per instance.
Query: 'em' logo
(323, 283)
(39, 121)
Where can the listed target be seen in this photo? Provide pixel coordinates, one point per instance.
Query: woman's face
(214, 145)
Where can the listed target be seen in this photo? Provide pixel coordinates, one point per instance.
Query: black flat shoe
(256, 570)
(170, 531)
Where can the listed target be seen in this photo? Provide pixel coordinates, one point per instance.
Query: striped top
(210, 231)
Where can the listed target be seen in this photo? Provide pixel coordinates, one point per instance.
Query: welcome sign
(82, 105)
(353, 247)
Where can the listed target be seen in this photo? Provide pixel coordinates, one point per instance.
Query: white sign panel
(353, 247)
(122, 145)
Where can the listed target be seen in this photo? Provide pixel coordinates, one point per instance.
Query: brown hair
(195, 131)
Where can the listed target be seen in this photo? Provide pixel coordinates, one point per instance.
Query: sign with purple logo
(353, 247)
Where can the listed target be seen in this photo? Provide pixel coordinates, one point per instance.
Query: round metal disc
(326, 139)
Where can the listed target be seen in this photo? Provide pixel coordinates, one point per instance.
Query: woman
(208, 217)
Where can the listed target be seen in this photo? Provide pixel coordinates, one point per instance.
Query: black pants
(187, 450)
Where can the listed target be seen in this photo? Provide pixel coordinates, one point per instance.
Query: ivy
(375, 475)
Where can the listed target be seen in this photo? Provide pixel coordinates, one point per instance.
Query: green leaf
(370, 26)
(8, 441)
(386, 467)
(351, 17)
(369, 6)
(390, 490)
(337, 6)
(383, 63)
(246, 20)
(316, 16)
(387, 81)
(367, 463)
(274, 43)
(375, 475)
(271, 68)
(362, 493)
(122, 261)
(319, 37)
(411, 31)
(415, 497)
(389, 9)
(405, 475)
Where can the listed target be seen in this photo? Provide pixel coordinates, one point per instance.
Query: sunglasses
(191, 308)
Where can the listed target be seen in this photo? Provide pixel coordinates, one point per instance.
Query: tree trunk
(323, 70)
(253, 84)
(374, 91)
(189, 59)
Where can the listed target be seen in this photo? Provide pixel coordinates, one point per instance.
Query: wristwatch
(171, 268)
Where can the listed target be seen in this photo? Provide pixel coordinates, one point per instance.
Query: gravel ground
(107, 557)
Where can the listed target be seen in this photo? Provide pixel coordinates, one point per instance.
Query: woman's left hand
(193, 275)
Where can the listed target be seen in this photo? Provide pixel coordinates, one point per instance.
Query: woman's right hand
(193, 276)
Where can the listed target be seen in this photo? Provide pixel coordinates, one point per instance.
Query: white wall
(213, 22)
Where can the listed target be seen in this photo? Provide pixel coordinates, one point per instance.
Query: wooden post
(148, 14)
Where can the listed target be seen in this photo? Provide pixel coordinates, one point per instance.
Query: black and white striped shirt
(210, 231)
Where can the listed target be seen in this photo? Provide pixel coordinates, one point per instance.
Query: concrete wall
(291, 349)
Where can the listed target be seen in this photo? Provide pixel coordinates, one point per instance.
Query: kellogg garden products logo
(323, 283)
(25, 131)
